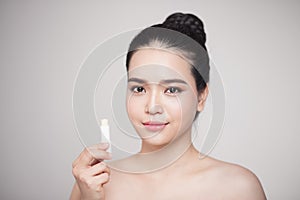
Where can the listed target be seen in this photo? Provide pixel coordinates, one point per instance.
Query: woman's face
(162, 97)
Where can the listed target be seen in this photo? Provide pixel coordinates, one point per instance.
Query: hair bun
(188, 24)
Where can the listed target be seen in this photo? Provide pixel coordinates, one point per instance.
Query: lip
(155, 126)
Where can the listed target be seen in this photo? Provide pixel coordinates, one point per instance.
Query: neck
(153, 158)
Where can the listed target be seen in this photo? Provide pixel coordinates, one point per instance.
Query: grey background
(254, 44)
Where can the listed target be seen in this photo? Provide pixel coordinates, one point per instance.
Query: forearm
(75, 194)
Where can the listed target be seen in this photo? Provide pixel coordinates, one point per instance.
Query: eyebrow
(138, 80)
(166, 81)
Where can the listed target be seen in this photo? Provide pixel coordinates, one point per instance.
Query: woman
(168, 73)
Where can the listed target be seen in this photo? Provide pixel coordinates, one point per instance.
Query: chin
(159, 140)
(156, 141)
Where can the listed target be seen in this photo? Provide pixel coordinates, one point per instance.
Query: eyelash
(136, 89)
(177, 90)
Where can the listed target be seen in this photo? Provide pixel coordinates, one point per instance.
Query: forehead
(158, 64)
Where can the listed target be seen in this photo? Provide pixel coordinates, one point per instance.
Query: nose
(154, 104)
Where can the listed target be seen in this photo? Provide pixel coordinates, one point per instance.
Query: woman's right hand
(91, 173)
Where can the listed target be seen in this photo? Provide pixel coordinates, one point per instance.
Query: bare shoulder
(237, 182)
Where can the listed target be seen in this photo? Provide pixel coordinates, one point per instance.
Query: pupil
(140, 89)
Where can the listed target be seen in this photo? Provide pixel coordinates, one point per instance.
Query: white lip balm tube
(105, 137)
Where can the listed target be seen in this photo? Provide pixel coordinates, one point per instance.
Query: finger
(98, 168)
(95, 149)
(100, 154)
(96, 182)
(102, 178)
(101, 146)
(84, 158)
(90, 156)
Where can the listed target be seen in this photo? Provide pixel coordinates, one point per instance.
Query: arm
(75, 194)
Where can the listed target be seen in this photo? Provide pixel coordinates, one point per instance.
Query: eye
(138, 89)
(173, 90)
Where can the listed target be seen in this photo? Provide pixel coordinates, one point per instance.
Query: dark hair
(180, 32)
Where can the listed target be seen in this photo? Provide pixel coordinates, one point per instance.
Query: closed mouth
(155, 125)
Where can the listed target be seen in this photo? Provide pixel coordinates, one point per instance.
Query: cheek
(134, 106)
(182, 108)
(173, 108)
(188, 107)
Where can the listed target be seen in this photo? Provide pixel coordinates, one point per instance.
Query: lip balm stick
(105, 137)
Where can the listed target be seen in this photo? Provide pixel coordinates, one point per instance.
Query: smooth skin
(188, 177)
(91, 173)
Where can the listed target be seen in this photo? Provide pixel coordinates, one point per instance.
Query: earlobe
(202, 99)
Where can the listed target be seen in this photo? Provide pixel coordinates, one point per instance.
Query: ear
(202, 99)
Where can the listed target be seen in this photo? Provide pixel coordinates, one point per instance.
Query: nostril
(154, 109)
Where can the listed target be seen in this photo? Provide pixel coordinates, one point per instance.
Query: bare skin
(188, 177)
(91, 173)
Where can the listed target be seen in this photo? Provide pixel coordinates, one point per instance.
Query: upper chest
(170, 187)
